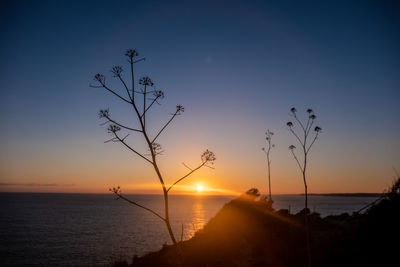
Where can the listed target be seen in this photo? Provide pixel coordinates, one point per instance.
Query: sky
(237, 67)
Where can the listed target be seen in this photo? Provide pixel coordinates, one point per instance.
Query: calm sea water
(94, 230)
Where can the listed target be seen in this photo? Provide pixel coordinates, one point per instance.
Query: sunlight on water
(198, 219)
(93, 229)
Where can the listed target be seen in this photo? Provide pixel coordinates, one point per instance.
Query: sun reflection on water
(198, 219)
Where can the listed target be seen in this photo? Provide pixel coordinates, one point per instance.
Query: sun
(199, 188)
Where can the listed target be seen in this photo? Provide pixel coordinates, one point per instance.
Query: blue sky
(237, 68)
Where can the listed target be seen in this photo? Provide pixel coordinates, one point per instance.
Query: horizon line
(193, 194)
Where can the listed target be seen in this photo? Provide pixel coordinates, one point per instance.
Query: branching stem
(131, 149)
(165, 126)
(154, 148)
(138, 205)
(185, 176)
(122, 126)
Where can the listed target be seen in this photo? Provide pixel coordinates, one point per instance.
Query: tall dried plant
(267, 150)
(303, 137)
(141, 100)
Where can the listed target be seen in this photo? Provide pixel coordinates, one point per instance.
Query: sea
(96, 229)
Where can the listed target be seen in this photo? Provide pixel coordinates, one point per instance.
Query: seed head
(104, 113)
(146, 81)
(158, 94)
(208, 156)
(100, 78)
(117, 70)
(179, 109)
(113, 128)
(131, 53)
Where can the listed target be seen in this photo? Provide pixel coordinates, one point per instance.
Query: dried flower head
(293, 110)
(291, 147)
(289, 124)
(100, 78)
(179, 109)
(104, 113)
(309, 111)
(317, 129)
(117, 70)
(158, 94)
(313, 117)
(116, 190)
(146, 81)
(131, 53)
(268, 138)
(208, 156)
(113, 128)
(269, 133)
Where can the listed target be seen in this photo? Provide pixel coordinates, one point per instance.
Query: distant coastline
(346, 195)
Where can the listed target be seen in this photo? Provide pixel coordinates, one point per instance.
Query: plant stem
(269, 175)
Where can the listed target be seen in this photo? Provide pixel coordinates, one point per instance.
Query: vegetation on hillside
(247, 233)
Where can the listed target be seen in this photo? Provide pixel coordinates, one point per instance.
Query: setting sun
(199, 188)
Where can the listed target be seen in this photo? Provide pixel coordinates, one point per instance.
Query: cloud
(33, 184)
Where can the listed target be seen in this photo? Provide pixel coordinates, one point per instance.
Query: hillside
(246, 233)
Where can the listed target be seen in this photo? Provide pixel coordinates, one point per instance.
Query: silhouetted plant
(266, 201)
(252, 193)
(306, 145)
(140, 109)
(267, 149)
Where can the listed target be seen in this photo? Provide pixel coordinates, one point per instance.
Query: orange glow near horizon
(52, 139)
(215, 184)
(232, 175)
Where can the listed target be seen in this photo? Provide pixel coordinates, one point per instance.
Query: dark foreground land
(246, 233)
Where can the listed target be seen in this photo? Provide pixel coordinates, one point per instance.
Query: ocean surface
(94, 230)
